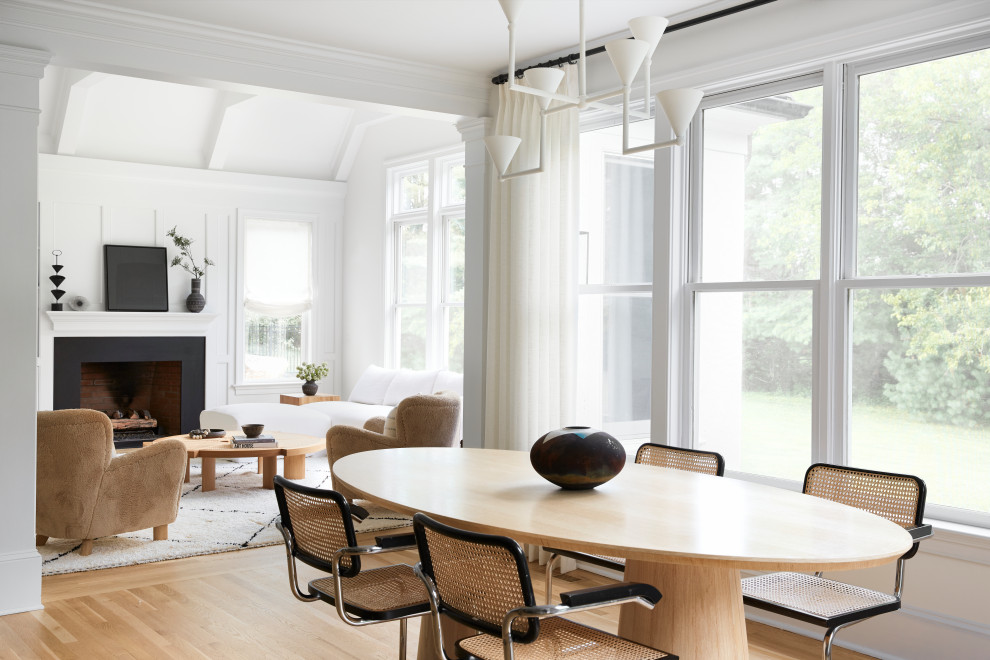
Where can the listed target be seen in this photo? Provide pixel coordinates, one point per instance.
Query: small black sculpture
(57, 281)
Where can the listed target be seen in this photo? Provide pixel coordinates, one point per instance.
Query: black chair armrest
(920, 532)
(358, 513)
(622, 590)
(591, 559)
(395, 541)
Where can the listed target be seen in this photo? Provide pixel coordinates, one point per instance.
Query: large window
(615, 304)
(277, 295)
(426, 225)
(843, 314)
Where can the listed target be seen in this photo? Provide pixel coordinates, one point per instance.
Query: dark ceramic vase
(195, 302)
(577, 457)
(310, 387)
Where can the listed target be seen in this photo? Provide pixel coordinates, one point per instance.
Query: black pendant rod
(574, 57)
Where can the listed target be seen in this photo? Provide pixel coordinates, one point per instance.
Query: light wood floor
(238, 605)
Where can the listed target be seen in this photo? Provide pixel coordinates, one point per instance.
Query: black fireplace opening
(148, 386)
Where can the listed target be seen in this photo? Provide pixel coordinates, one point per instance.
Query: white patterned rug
(239, 514)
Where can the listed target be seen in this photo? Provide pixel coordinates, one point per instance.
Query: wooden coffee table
(292, 446)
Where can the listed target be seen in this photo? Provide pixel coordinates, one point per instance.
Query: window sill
(958, 541)
(268, 387)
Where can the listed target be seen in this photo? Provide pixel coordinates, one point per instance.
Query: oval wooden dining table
(687, 534)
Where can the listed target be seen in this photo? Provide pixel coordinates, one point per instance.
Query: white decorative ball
(78, 304)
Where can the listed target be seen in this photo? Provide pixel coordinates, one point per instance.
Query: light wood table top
(289, 444)
(686, 533)
(645, 512)
(303, 399)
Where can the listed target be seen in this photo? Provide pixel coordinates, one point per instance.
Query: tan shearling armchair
(422, 420)
(84, 491)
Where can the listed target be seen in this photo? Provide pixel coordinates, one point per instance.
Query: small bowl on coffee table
(252, 430)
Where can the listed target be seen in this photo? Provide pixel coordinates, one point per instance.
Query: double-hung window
(839, 274)
(426, 263)
(277, 295)
(615, 286)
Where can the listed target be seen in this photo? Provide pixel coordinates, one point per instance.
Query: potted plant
(195, 302)
(311, 372)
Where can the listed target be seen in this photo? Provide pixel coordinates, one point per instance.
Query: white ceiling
(101, 115)
(461, 34)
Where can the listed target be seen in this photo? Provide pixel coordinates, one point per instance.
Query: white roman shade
(277, 267)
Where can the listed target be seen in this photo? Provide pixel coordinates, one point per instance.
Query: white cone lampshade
(679, 105)
(502, 148)
(627, 56)
(511, 9)
(648, 29)
(544, 79)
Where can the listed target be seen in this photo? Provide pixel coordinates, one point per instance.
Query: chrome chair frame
(535, 611)
(919, 531)
(394, 543)
(586, 599)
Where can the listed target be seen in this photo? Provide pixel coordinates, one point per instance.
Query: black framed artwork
(136, 278)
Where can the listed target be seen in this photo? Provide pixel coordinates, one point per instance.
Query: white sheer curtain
(532, 304)
(278, 276)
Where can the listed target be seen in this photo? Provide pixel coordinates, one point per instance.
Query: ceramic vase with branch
(195, 302)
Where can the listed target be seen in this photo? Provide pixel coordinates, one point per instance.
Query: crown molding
(23, 61)
(95, 37)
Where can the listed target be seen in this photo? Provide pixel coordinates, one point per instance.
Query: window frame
(434, 216)
(310, 322)
(832, 312)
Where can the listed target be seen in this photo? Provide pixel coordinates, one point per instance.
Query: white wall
(85, 203)
(364, 305)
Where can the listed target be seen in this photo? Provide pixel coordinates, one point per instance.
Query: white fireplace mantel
(129, 324)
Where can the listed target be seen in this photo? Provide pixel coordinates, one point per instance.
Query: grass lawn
(953, 461)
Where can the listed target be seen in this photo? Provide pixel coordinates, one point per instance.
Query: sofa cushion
(372, 385)
(449, 381)
(275, 417)
(390, 424)
(347, 412)
(407, 383)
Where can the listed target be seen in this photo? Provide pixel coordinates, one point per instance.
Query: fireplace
(149, 386)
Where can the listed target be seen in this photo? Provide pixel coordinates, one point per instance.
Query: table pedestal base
(700, 616)
(452, 632)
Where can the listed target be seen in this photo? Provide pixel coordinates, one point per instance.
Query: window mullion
(830, 396)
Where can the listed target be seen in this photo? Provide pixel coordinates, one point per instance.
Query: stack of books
(244, 442)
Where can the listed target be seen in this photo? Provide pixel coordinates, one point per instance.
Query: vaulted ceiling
(107, 116)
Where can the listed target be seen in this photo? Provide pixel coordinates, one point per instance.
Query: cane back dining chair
(677, 458)
(815, 599)
(317, 527)
(482, 581)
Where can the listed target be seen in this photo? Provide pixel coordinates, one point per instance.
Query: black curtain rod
(574, 57)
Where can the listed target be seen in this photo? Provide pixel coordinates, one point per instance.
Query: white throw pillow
(390, 424)
(449, 381)
(406, 383)
(372, 385)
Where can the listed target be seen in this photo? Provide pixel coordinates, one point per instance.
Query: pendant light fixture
(628, 56)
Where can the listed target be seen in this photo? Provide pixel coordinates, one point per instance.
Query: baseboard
(20, 575)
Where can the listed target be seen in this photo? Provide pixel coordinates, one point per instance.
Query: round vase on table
(310, 387)
(577, 457)
(195, 301)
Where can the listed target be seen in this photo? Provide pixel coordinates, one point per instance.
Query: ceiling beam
(350, 144)
(72, 108)
(223, 129)
(87, 35)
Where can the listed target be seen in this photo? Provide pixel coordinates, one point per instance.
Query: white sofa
(377, 391)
